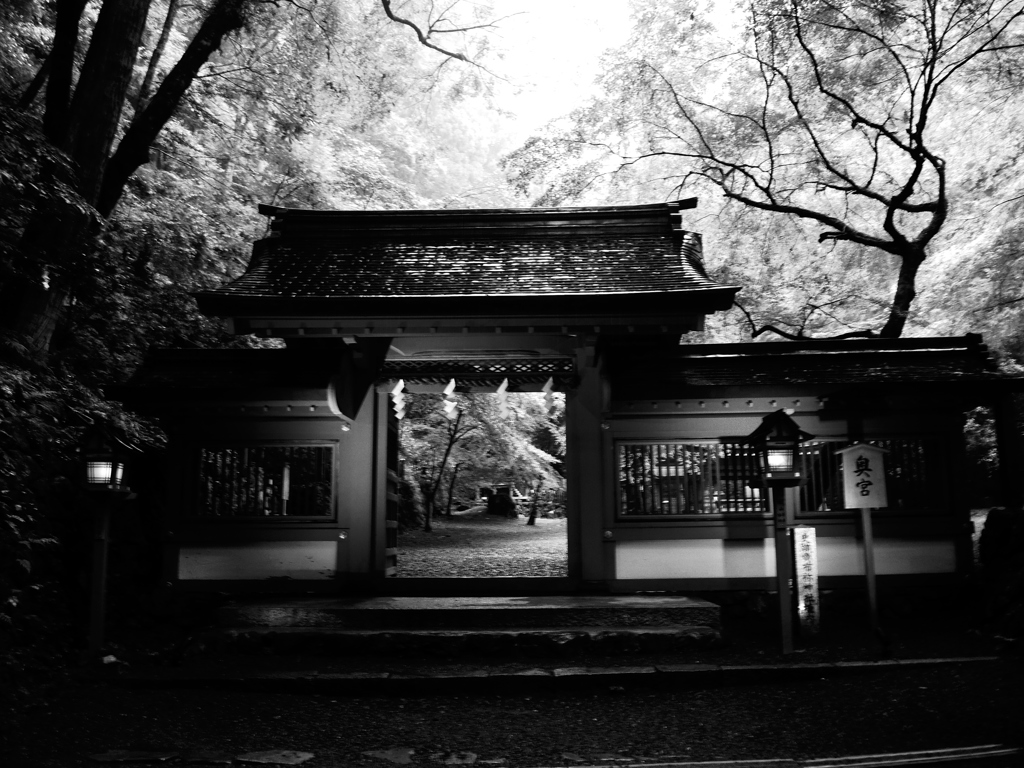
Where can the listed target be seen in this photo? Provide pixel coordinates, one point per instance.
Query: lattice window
(266, 481)
(688, 478)
(723, 478)
(913, 474)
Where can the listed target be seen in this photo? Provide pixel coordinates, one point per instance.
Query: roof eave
(457, 214)
(684, 301)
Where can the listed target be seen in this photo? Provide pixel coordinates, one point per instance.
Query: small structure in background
(503, 501)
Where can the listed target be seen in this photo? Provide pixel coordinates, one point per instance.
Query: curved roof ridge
(456, 213)
(502, 223)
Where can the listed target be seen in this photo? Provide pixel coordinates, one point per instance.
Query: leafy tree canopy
(842, 115)
(482, 446)
(213, 107)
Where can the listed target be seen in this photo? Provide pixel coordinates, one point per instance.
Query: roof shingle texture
(611, 250)
(473, 265)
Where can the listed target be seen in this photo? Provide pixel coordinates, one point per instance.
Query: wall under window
(724, 559)
(259, 509)
(259, 560)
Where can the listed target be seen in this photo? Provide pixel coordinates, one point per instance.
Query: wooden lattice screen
(266, 481)
(721, 477)
(677, 478)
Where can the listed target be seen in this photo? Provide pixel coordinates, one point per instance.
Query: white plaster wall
(845, 556)
(259, 560)
(721, 559)
(695, 559)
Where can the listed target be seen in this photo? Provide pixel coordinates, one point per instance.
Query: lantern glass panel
(104, 472)
(100, 472)
(780, 459)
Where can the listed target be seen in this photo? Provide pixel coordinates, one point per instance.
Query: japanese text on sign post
(808, 607)
(864, 477)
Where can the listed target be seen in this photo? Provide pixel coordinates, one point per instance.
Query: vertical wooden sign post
(864, 489)
(807, 604)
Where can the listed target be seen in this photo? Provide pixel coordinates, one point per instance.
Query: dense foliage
(853, 124)
(482, 447)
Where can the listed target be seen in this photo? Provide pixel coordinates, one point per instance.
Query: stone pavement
(982, 756)
(143, 757)
(297, 676)
(436, 627)
(436, 717)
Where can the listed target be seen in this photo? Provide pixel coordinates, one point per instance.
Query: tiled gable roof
(474, 265)
(510, 252)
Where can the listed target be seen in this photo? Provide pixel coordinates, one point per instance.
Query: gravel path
(483, 545)
(902, 710)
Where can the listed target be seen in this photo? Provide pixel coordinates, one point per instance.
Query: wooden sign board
(864, 476)
(807, 603)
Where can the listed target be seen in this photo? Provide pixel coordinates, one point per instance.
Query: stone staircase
(461, 626)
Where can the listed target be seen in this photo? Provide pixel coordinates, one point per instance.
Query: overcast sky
(552, 51)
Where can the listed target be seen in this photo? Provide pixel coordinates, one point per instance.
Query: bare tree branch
(825, 116)
(999, 304)
(756, 330)
(423, 36)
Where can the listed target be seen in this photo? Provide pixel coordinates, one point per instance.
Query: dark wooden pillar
(1011, 451)
(585, 459)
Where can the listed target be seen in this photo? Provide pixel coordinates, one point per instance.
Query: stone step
(472, 613)
(549, 641)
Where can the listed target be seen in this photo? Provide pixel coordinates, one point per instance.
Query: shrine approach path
(482, 545)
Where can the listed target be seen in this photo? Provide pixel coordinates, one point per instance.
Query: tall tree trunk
(102, 88)
(453, 438)
(62, 64)
(33, 300)
(904, 296)
(158, 53)
(85, 125)
(85, 128)
(133, 150)
(451, 489)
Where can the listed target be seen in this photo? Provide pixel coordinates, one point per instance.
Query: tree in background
(105, 112)
(523, 449)
(827, 113)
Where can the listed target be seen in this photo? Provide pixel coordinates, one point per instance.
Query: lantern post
(777, 442)
(105, 469)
